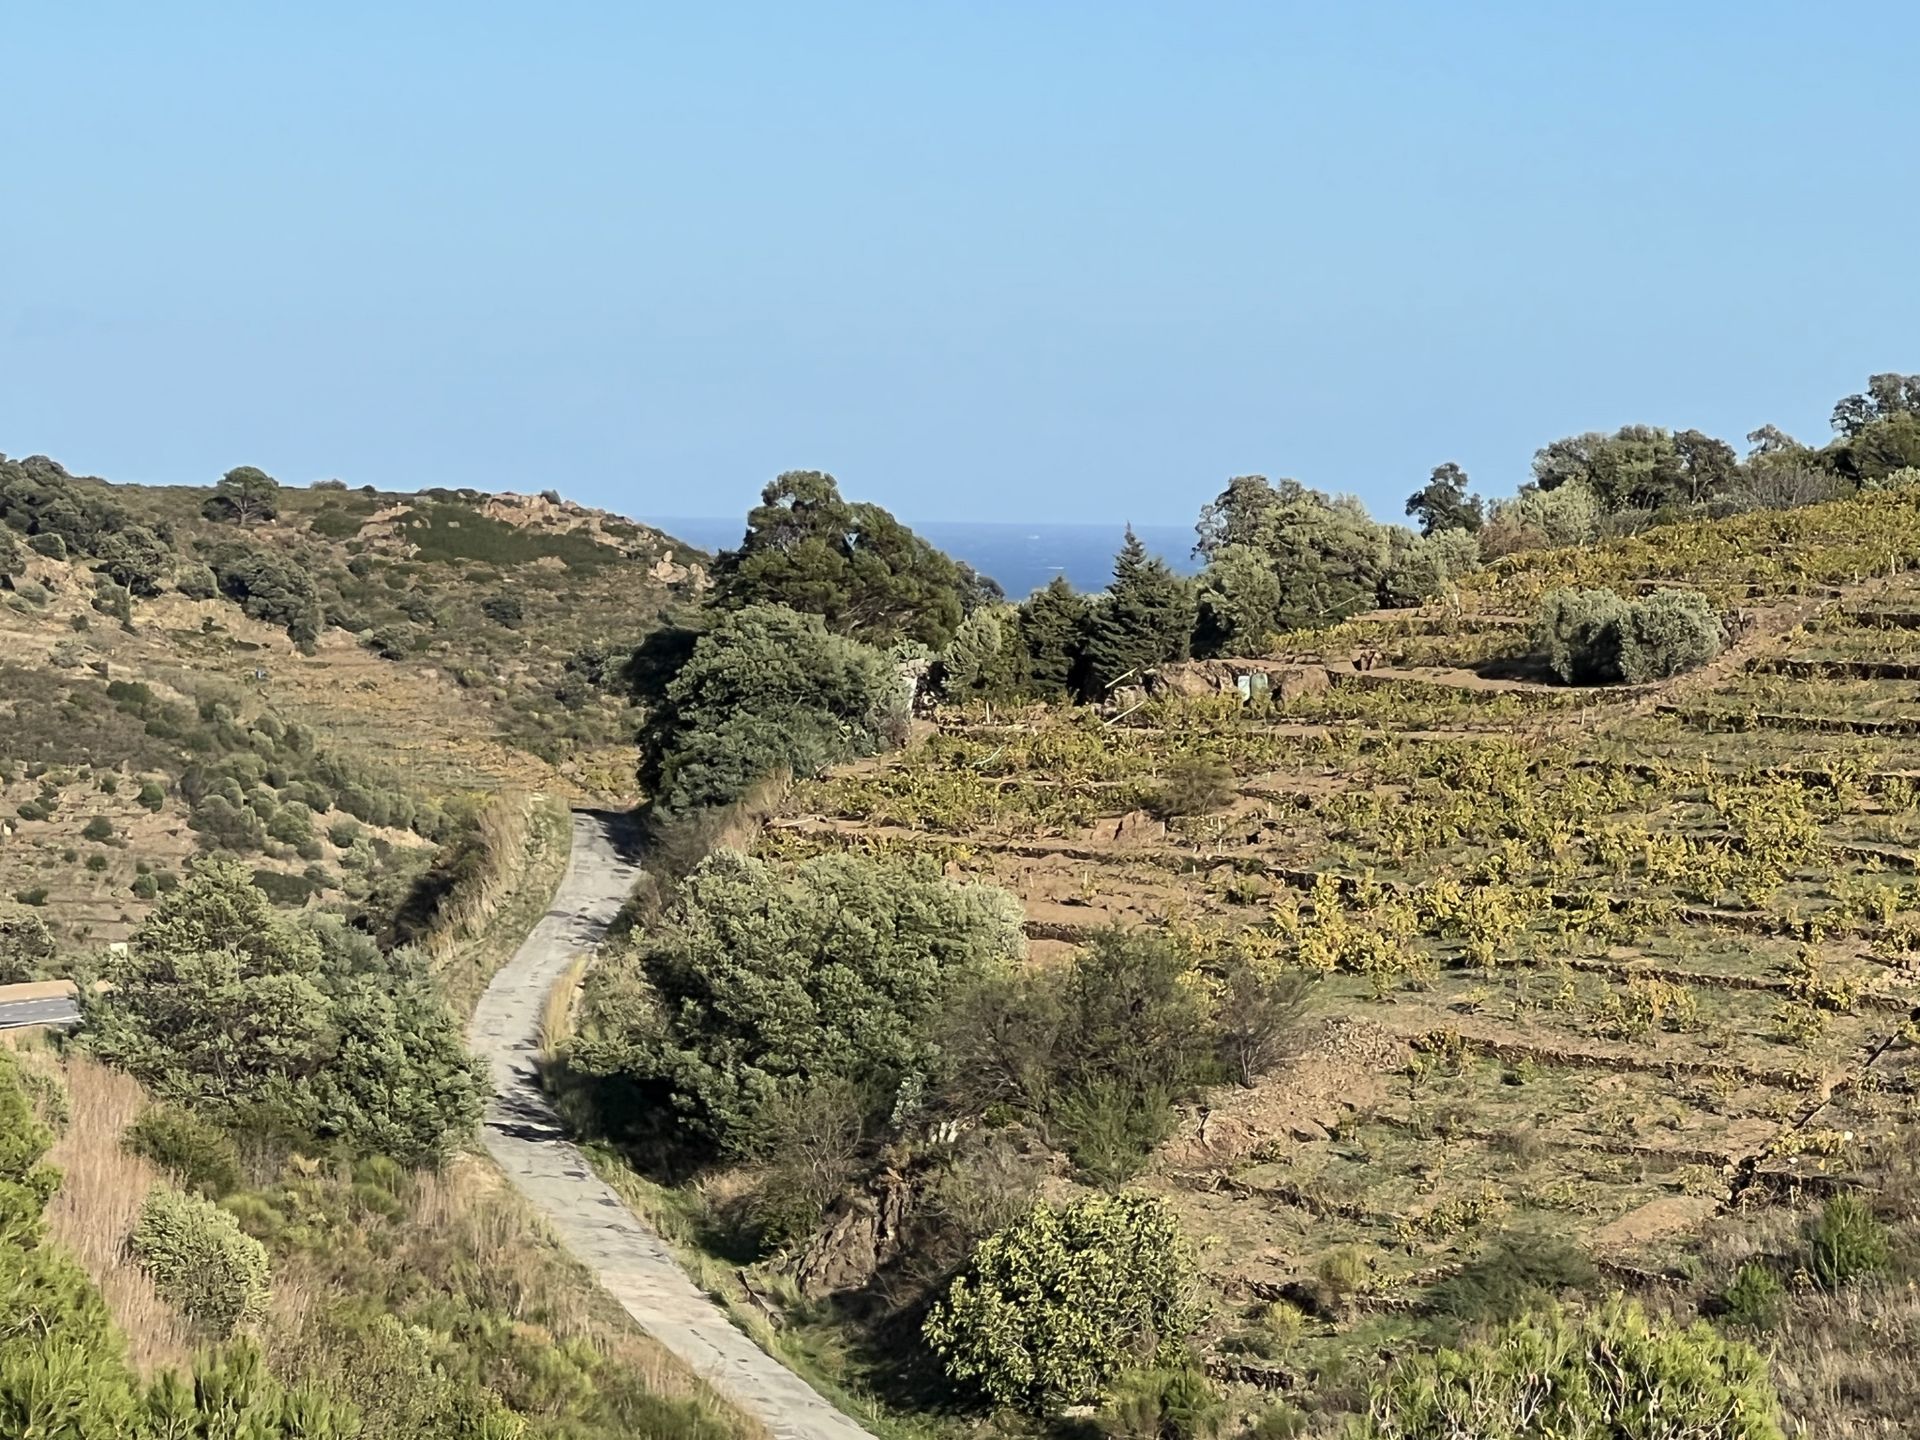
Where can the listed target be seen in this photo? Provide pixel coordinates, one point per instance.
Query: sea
(1022, 558)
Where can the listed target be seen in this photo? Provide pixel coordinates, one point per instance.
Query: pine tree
(1145, 620)
(1053, 630)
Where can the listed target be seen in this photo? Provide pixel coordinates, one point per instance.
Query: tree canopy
(1055, 1306)
(1145, 619)
(866, 575)
(765, 689)
(764, 980)
(227, 1006)
(1444, 504)
(245, 496)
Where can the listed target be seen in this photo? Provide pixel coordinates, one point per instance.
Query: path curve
(526, 1139)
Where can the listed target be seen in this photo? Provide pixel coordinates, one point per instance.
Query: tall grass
(101, 1191)
(556, 1016)
(502, 879)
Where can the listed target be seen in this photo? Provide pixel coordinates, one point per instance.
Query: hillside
(1609, 986)
(463, 644)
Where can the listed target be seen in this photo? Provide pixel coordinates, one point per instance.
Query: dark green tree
(1444, 504)
(1636, 467)
(1146, 618)
(1239, 602)
(764, 980)
(766, 689)
(1886, 396)
(1709, 465)
(244, 496)
(136, 559)
(864, 573)
(1055, 624)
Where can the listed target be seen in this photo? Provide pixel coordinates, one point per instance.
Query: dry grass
(465, 1232)
(556, 1016)
(525, 840)
(101, 1191)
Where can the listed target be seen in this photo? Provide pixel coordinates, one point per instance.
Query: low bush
(201, 1156)
(26, 945)
(1755, 1297)
(1053, 1308)
(1195, 785)
(1593, 637)
(1845, 1242)
(201, 1261)
(1613, 1373)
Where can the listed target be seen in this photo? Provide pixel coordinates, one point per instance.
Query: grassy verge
(524, 892)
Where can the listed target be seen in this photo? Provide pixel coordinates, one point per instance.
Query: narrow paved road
(45, 1003)
(38, 1012)
(525, 1137)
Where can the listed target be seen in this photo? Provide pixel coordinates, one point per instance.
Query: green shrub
(201, 1156)
(98, 863)
(1667, 632)
(152, 796)
(98, 829)
(503, 610)
(33, 810)
(1593, 637)
(1051, 1309)
(26, 945)
(1578, 631)
(1844, 1242)
(1611, 1373)
(1110, 1127)
(1172, 1403)
(392, 642)
(1755, 1297)
(771, 977)
(197, 582)
(33, 895)
(145, 887)
(200, 1260)
(766, 690)
(48, 544)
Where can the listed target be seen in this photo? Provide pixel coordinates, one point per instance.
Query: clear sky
(1026, 261)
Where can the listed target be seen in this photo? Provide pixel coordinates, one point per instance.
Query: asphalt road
(59, 1010)
(525, 1137)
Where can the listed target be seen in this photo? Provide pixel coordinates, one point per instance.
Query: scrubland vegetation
(1494, 1022)
(1395, 984)
(245, 1205)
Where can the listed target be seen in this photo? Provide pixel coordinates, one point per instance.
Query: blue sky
(1025, 261)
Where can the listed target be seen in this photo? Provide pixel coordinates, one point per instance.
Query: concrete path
(524, 1136)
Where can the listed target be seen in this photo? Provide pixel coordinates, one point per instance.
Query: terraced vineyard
(1631, 966)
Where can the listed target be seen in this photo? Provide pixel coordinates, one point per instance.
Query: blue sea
(1021, 557)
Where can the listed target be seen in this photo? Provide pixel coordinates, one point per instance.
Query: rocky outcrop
(1284, 678)
(861, 1234)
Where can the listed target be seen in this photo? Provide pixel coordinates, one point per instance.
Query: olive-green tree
(765, 689)
(765, 979)
(1239, 602)
(26, 945)
(244, 495)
